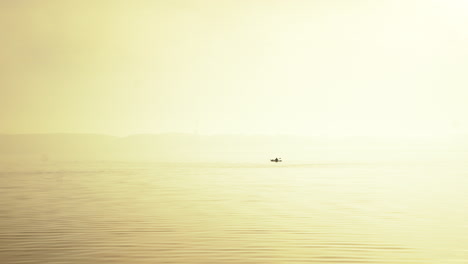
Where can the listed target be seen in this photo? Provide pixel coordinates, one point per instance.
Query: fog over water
(142, 131)
(223, 201)
(178, 147)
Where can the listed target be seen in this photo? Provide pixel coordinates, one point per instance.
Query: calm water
(233, 213)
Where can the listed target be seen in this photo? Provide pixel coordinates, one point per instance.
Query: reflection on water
(233, 213)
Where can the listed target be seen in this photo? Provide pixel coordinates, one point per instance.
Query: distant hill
(62, 146)
(191, 147)
(164, 147)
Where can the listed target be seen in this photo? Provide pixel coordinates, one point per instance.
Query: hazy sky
(383, 67)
